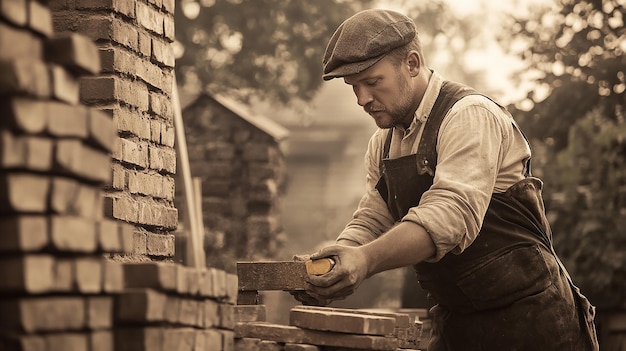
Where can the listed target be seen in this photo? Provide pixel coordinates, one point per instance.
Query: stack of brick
(135, 87)
(171, 307)
(57, 290)
(327, 329)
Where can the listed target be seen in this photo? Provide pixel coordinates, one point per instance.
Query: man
(449, 191)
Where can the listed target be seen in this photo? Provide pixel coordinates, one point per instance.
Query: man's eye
(371, 82)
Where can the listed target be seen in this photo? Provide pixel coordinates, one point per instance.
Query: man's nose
(363, 96)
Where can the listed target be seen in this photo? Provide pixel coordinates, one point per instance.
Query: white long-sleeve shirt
(480, 151)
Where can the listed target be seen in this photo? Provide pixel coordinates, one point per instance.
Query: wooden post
(195, 252)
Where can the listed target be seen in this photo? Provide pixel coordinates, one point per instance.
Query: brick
(67, 156)
(101, 130)
(24, 76)
(182, 279)
(135, 153)
(140, 305)
(218, 281)
(301, 347)
(188, 312)
(149, 18)
(162, 159)
(40, 18)
(67, 341)
(72, 234)
(119, 176)
(343, 322)
(32, 274)
(194, 276)
(23, 233)
(66, 120)
(171, 309)
(151, 74)
(169, 6)
(139, 339)
(182, 339)
(267, 345)
(232, 288)
(14, 11)
(162, 53)
(295, 335)
(25, 152)
(168, 136)
(97, 165)
(118, 60)
(98, 89)
(132, 121)
(227, 316)
(24, 115)
(152, 275)
(88, 202)
(23, 192)
(150, 184)
(23, 343)
(74, 51)
(124, 7)
(160, 244)
(139, 243)
(113, 277)
(279, 275)
(402, 319)
(169, 29)
(64, 276)
(126, 237)
(228, 340)
(161, 105)
(17, 43)
(63, 192)
(88, 275)
(43, 314)
(65, 86)
(211, 313)
(99, 312)
(145, 43)
(213, 340)
(247, 344)
(250, 313)
(101, 340)
(318, 267)
(109, 28)
(108, 236)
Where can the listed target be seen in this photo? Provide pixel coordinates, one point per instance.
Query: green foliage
(269, 48)
(578, 131)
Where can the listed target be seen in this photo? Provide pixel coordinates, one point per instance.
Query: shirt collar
(428, 101)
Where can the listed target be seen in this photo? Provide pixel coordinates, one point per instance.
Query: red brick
(101, 129)
(249, 313)
(88, 276)
(63, 195)
(65, 86)
(343, 322)
(64, 275)
(40, 18)
(295, 335)
(109, 28)
(24, 76)
(14, 11)
(23, 192)
(162, 53)
(24, 115)
(99, 312)
(32, 274)
(149, 18)
(74, 51)
(113, 277)
(66, 120)
(124, 7)
(43, 314)
(23, 233)
(140, 305)
(16, 43)
(153, 275)
(73, 234)
(101, 340)
(67, 341)
(144, 339)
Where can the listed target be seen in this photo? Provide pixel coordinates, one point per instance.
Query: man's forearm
(405, 244)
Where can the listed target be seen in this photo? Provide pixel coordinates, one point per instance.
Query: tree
(268, 48)
(575, 119)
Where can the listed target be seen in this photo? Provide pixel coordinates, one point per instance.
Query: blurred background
(557, 65)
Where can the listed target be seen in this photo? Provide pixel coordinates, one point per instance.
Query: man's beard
(396, 113)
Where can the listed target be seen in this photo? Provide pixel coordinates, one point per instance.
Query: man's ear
(414, 62)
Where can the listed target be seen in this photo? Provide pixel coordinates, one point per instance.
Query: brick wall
(134, 87)
(75, 223)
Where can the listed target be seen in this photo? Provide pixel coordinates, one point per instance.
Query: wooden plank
(195, 252)
(295, 335)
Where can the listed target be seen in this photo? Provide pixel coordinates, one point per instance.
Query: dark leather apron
(507, 290)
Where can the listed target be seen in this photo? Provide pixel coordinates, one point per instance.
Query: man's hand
(349, 271)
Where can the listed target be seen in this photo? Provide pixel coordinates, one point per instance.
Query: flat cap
(364, 39)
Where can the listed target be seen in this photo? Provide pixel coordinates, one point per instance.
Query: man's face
(384, 91)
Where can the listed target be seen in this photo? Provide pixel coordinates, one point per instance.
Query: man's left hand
(349, 271)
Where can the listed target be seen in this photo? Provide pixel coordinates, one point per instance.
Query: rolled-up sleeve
(469, 151)
(371, 218)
